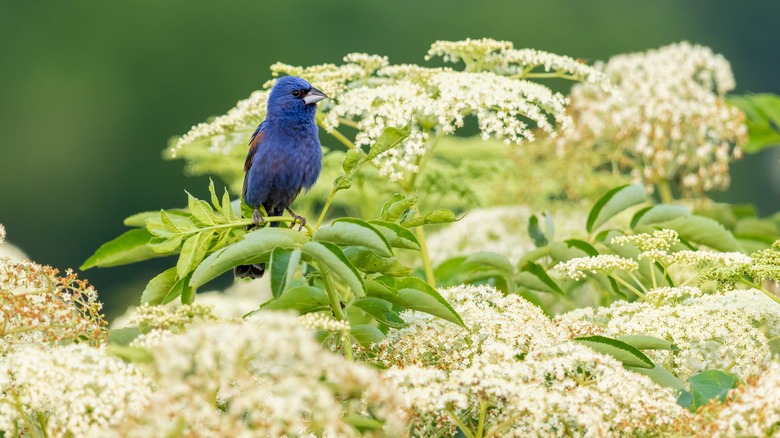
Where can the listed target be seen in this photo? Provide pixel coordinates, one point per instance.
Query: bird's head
(293, 95)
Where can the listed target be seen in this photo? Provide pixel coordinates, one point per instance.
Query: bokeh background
(90, 91)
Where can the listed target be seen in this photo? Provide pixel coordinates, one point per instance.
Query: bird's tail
(258, 269)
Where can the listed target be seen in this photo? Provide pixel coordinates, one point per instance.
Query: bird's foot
(257, 219)
(296, 218)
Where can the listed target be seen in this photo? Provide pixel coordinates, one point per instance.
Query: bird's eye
(296, 93)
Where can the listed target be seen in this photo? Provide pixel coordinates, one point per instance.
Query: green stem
(665, 191)
(335, 306)
(466, 431)
(348, 122)
(426, 259)
(482, 413)
(629, 286)
(325, 208)
(752, 284)
(639, 283)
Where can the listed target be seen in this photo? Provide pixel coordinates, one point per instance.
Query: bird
(285, 156)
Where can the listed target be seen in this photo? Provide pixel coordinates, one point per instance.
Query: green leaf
(709, 385)
(164, 288)
(193, 251)
(139, 219)
(255, 247)
(440, 216)
(200, 210)
(762, 112)
(621, 351)
(363, 424)
(227, 207)
(534, 277)
(381, 310)
(366, 261)
(123, 336)
(415, 294)
(130, 247)
(703, 231)
(390, 138)
(396, 235)
(583, 246)
(304, 299)
(489, 259)
(366, 334)
(354, 232)
(130, 354)
(187, 292)
(396, 206)
(658, 213)
(644, 342)
(166, 245)
(331, 256)
(614, 202)
(283, 266)
(351, 160)
(536, 233)
(167, 224)
(213, 195)
(663, 377)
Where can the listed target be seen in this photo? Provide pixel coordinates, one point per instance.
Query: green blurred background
(90, 92)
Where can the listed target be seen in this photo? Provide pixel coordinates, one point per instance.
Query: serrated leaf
(658, 213)
(213, 195)
(396, 206)
(123, 336)
(227, 207)
(614, 202)
(440, 216)
(415, 294)
(283, 266)
(333, 258)
(304, 299)
(165, 245)
(583, 246)
(663, 377)
(533, 276)
(703, 231)
(139, 219)
(366, 334)
(187, 293)
(644, 342)
(709, 385)
(129, 247)
(351, 160)
(163, 288)
(255, 247)
(390, 138)
(381, 310)
(489, 259)
(354, 232)
(193, 251)
(621, 351)
(366, 261)
(200, 210)
(167, 224)
(396, 235)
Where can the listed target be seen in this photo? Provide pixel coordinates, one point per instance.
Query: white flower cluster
(713, 331)
(666, 115)
(578, 268)
(74, 390)
(2, 234)
(497, 229)
(368, 93)
(321, 321)
(662, 240)
(269, 377)
(510, 367)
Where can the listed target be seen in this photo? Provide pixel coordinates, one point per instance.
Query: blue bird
(284, 157)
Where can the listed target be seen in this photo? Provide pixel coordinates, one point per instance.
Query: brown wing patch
(253, 142)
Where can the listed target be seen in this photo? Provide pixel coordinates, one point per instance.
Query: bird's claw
(296, 218)
(257, 219)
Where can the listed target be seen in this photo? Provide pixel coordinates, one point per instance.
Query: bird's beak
(313, 96)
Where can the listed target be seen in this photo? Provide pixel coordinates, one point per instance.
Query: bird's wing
(254, 142)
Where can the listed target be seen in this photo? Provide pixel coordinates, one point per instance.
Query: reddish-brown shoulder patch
(253, 142)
